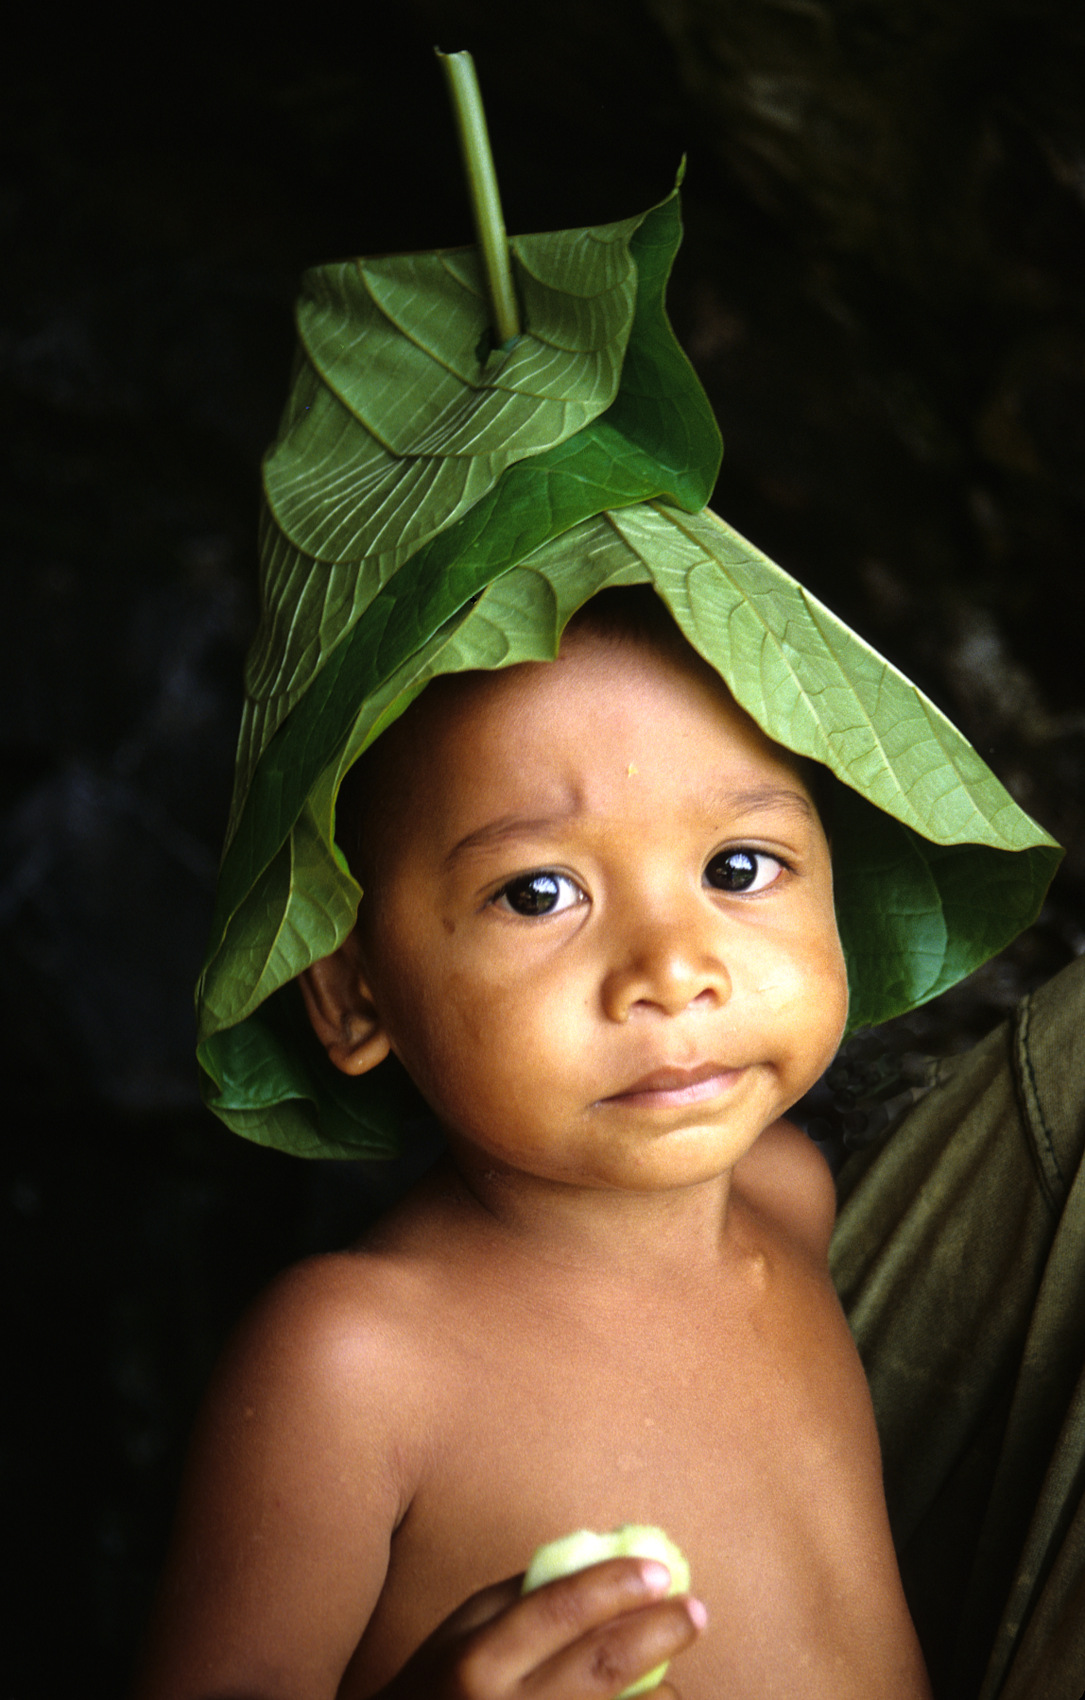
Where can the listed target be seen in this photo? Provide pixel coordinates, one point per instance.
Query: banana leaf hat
(476, 442)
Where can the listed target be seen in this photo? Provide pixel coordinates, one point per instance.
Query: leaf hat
(438, 500)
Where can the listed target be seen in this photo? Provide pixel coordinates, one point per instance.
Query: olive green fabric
(960, 1259)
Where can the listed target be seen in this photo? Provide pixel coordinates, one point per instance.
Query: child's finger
(608, 1660)
(554, 1618)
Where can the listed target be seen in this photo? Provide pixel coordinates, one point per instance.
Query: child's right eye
(542, 893)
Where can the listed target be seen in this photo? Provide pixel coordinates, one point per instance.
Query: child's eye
(742, 870)
(541, 893)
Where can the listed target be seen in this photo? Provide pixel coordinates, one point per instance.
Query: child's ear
(341, 1009)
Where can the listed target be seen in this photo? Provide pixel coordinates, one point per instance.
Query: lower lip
(676, 1097)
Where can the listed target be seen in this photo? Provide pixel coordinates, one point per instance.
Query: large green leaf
(815, 685)
(402, 418)
(936, 867)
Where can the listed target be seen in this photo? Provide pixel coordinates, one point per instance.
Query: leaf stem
(478, 160)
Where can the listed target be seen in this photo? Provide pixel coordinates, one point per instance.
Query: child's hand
(585, 1637)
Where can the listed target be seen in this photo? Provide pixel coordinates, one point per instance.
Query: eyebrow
(505, 830)
(512, 827)
(763, 797)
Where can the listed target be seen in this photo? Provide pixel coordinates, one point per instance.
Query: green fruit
(633, 1540)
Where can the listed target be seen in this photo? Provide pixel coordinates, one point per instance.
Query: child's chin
(688, 1157)
(642, 1159)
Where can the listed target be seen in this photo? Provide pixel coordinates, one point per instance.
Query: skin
(598, 931)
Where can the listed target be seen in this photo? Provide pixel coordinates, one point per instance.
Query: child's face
(600, 930)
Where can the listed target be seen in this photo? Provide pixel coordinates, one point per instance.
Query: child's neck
(616, 1234)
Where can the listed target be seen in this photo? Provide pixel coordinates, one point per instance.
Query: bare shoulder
(324, 1344)
(322, 1319)
(785, 1176)
(302, 1465)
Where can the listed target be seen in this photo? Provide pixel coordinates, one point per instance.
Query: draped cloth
(959, 1256)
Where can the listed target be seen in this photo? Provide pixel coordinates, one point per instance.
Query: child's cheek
(829, 1001)
(806, 992)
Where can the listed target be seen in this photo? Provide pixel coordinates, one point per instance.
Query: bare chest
(747, 1436)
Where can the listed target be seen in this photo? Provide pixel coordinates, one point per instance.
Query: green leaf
(402, 416)
(661, 406)
(292, 913)
(271, 1082)
(817, 687)
(916, 917)
(598, 342)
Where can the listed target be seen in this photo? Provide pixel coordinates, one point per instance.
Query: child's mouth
(676, 1086)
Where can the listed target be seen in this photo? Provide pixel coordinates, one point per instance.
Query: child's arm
(300, 1471)
(289, 1500)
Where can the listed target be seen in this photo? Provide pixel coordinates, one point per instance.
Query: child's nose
(665, 970)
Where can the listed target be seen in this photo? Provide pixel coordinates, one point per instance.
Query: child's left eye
(742, 870)
(541, 893)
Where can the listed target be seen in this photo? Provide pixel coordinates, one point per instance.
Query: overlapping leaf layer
(403, 417)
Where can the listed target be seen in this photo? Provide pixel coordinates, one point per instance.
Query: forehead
(611, 707)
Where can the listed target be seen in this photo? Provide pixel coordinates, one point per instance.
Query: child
(586, 906)
(598, 931)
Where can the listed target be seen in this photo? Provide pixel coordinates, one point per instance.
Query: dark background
(882, 289)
